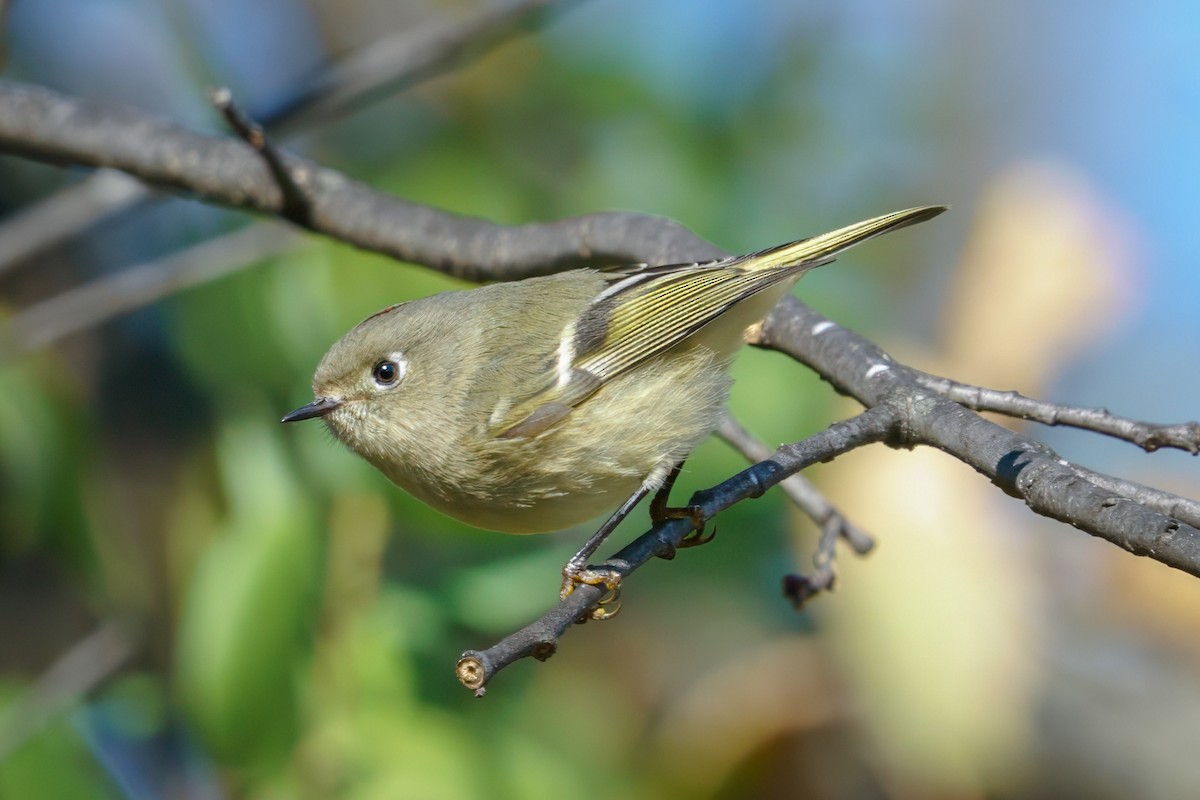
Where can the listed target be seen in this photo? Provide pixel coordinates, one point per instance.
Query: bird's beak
(317, 408)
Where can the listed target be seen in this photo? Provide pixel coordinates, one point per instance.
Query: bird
(538, 404)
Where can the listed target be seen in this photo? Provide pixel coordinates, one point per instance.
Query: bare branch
(296, 207)
(65, 213)
(395, 63)
(1147, 435)
(1163, 502)
(807, 497)
(902, 410)
(111, 296)
(87, 665)
(903, 414)
(1020, 466)
(47, 126)
(831, 523)
(390, 65)
(540, 639)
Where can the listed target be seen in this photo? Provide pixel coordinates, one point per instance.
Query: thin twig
(1147, 435)
(137, 286)
(65, 213)
(540, 639)
(296, 206)
(391, 65)
(394, 63)
(1181, 508)
(801, 491)
(1020, 466)
(44, 125)
(831, 523)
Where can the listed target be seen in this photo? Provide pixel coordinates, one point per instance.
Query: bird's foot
(575, 574)
(697, 536)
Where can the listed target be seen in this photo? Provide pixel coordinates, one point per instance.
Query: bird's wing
(644, 311)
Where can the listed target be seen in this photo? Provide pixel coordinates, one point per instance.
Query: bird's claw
(608, 605)
(695, 514)
(698, 536)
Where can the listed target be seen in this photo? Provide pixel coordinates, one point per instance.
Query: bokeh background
(196, 602)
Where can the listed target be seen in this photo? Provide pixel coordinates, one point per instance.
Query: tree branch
(295, 203)
(1164, 502)
(540, 639)
(831, 523)
(112, 295)
(65, 213)
(87, 665)
(387, 66)
(1020, 466)
(1147, 435)
(47, 126)
(901, 409)
(394, 63)
(799, 490)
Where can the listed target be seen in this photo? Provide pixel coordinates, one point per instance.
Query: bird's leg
(661, 511)
(576, 570)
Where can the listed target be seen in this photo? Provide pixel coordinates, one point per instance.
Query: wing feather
(646, 311)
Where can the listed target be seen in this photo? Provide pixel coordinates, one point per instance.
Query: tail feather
(825, 247)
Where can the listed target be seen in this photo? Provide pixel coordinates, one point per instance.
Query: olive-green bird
(538, 404)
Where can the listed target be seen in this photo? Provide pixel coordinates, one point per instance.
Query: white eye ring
(390, 370)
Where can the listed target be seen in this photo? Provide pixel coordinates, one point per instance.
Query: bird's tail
(825, 247)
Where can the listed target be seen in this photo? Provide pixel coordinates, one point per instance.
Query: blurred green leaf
(251, 603)
(31, 445)
(53, 764)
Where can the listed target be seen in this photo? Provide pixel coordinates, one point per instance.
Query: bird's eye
(389, 370)
(386, 372)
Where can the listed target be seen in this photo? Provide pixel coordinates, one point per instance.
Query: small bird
(538, 404)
